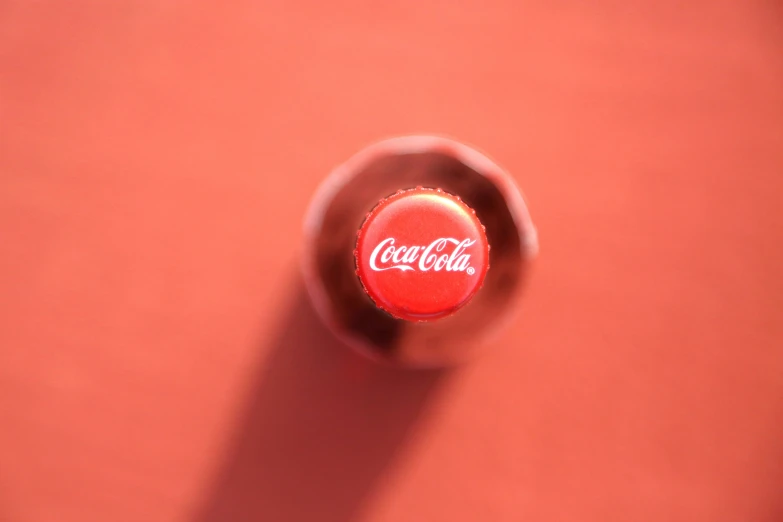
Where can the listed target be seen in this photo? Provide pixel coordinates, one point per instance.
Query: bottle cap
(421, 254)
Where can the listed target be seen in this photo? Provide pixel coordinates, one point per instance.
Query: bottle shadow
(321, 428)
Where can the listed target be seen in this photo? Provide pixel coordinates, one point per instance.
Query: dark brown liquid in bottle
(343, 302)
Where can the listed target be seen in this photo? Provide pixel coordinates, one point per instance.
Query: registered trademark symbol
(471, 270)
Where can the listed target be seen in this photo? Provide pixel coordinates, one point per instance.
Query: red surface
(422, 254)
(157, 362)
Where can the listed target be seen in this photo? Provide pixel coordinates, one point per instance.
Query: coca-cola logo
(421, 254)
(388, 256)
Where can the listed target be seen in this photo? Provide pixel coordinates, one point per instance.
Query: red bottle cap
(422, 254)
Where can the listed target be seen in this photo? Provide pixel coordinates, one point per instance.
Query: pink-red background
(159, 363)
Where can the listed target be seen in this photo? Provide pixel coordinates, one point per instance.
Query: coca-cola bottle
(415, 250)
